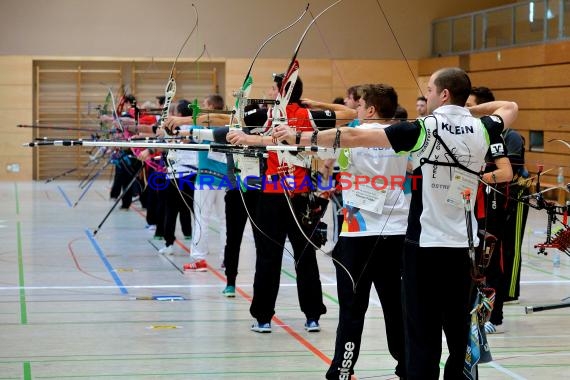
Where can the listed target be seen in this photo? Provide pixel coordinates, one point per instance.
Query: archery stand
(560, 241)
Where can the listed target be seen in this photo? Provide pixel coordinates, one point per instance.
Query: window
(537, 141)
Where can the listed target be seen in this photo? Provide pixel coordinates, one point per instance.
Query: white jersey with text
(437, 217)
(379, 208)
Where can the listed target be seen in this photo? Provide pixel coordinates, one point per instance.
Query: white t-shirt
(381, 208)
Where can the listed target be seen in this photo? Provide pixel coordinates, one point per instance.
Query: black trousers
(276, 221)
(437, 295)
(236, 219)
(125, 170)
(370, 260)
(178, 201)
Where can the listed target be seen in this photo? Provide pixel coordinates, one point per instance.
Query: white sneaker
(168, 250)
(261, 327)
(493, 329)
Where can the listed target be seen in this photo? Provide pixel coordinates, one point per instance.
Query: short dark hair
(422, 98)
(354, 91)
(161, 100)
(183, 108)
(382, 96)
(456, 81)
(297, 92)
(338, 100)
(130, 98)
(401, 113)
(216, 101)
(482, 94)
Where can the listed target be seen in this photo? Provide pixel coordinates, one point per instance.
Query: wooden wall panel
(524, 77)
(538, 99)
(16, 105)
(556, 146)
(262, 74)
(325, 79)
(543, 120)
(396, 73)
(428, 66)
(507, 58)
(557, 53)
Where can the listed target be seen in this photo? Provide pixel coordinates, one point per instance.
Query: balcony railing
(523, 23)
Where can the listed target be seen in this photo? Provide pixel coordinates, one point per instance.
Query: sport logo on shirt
(497, 149)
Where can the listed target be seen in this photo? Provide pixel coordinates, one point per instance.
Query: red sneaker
(196, 266)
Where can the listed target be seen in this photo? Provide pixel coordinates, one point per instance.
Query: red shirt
(277, 173)
(144, 119)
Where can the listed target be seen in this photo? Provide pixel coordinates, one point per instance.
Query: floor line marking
(106, 262)
(27, 371)
(507, 372)
(64, 196)
(17, 196)
(22, 291)
(174, 286)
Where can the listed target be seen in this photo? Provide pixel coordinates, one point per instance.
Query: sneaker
(511, 301)
(197, 266)
(493, 329)
(229, 291)
(188, 237)
(312, 325)
(151, 227)
(261, 327)
(168, 250)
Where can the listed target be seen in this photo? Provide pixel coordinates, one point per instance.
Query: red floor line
(78, 266)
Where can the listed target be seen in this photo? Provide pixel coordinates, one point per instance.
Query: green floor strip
(23, 311)
(27, 371)
(17, 199)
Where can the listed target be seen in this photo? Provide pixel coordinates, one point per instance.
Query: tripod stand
(133, 180)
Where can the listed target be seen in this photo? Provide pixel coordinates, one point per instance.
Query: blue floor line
(106, 262)
(65, 196)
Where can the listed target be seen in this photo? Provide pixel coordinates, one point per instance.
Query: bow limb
(279, 116)
(170, 89)
(242, 94)
(238, 113)
(561, 141)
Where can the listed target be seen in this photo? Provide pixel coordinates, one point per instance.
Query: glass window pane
(552, 19)
(566, 26)
(529, 22)
(479, 32)
(499, 28)
(441, 37)
(462, 34)
(536, 141)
